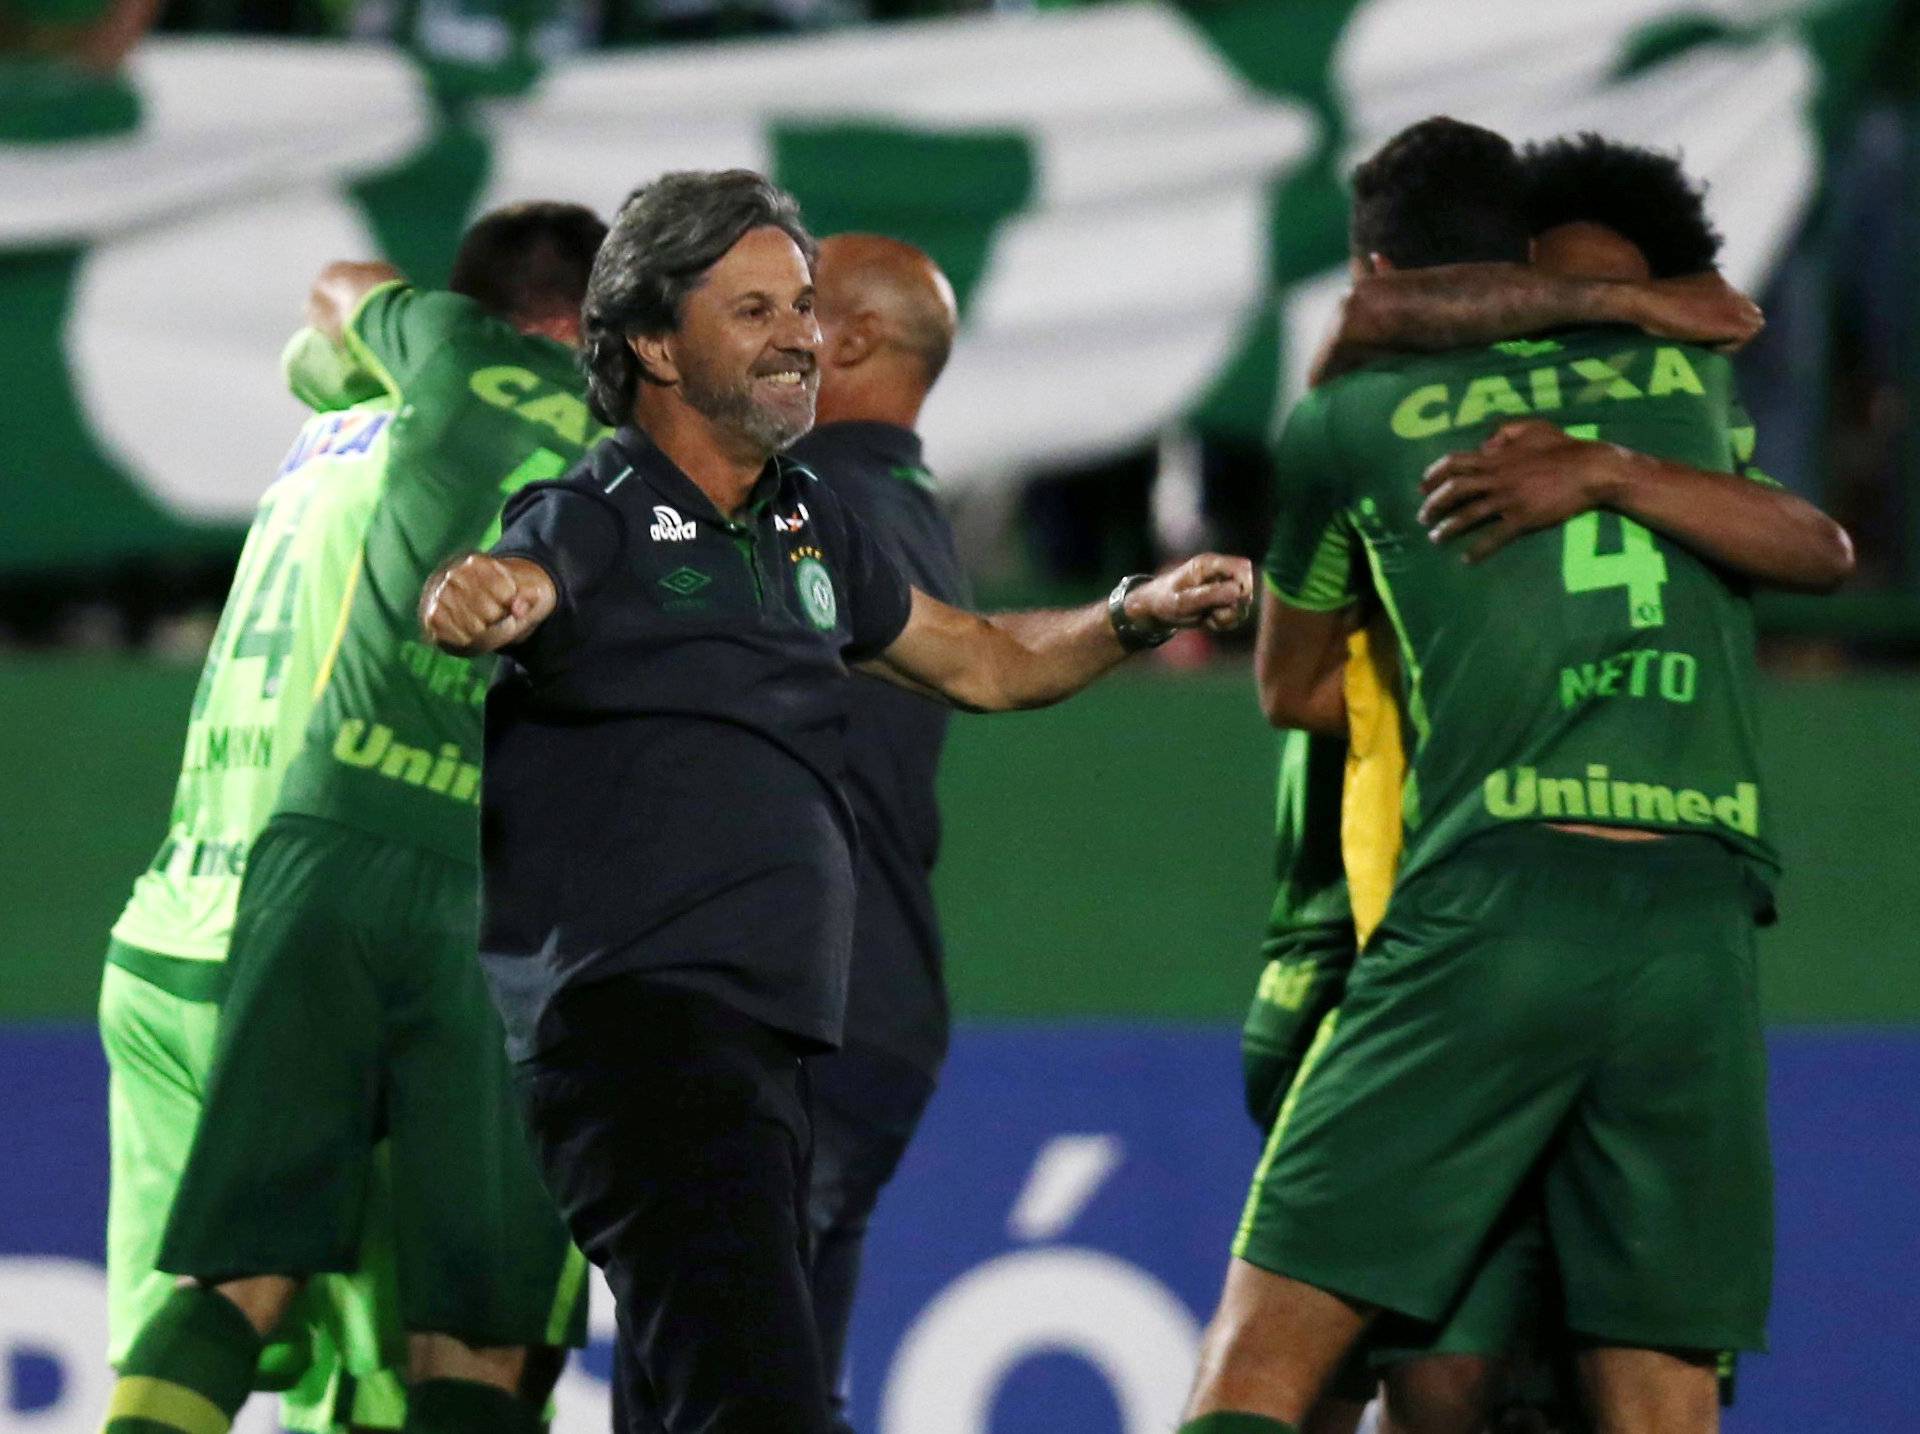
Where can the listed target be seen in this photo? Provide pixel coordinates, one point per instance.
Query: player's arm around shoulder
(1464, 305)
(1533, 475)
(340, 289)
(319, 366)
(324, 375)
(388, 326)
(1012, 661)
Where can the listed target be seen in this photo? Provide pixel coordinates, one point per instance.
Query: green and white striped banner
(1139, 206)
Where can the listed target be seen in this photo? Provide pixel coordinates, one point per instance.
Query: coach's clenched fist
(480, 604)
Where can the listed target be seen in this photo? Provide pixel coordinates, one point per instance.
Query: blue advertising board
(1053, 1243)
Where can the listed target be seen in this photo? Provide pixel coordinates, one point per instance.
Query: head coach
(667, 853)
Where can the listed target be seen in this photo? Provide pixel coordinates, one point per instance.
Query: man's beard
(732, 408)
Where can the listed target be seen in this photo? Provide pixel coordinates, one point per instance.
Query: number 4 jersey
(256, 690)
(1593, 673)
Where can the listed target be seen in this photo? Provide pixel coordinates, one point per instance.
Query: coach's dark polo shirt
(665, 753)
(897, 997)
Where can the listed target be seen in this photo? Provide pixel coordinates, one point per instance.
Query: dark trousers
(673, 1133)
(866, 1105)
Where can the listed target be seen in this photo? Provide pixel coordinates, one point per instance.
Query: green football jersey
(1310, 892)
(256, 689)
(1595, 672)
(393, 747)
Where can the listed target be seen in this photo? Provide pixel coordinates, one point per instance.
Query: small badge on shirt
(791, 522)
(669, 526)
(815, 585)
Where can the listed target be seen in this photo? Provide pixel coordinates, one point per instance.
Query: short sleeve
(398, 328)
(1309, 562)
(568, 529)
(1744, 438)
(878, 592)
(324, 375)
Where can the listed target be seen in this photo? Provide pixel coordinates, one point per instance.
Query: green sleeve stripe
(1326, 586)
(358, 345)
(1302, 601)
(565, 1296)
(1760, 476)
(1416, 698)
(1329, 576)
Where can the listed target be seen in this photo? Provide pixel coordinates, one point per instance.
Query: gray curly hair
(668, 235)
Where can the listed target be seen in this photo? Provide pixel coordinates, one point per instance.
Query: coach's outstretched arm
(1453, 306)
(1532, 475)
(480, 603)
(1014, 660)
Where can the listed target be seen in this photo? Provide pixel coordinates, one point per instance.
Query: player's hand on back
(481, 604)
(1698, 309)
(1526, 477)
(1212, 590)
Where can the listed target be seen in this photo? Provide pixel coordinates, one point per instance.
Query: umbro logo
(685, 582)
(669, 526)
(792, 524)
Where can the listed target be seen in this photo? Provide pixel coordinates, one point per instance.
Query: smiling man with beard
(668, 854)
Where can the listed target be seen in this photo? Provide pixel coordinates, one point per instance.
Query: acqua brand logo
(670, 527)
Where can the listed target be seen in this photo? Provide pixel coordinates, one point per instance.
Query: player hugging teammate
(1508, 1046)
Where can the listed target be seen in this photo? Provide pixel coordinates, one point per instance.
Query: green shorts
(158, 1018)
(1551, 1005)
(1302, 980)
(1508, 1307)
(1509, 1310)
(356, 1014)
(159, 1048)
(1504, 1307)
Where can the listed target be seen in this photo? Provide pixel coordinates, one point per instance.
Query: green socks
(1230, 1423)
(189, 1371)
(465, 1406)
(192, 1367)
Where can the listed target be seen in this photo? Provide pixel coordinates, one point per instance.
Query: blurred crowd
(490, 38)
(1835, 381)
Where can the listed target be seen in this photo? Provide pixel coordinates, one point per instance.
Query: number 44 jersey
(1595, 672)
(256, 690)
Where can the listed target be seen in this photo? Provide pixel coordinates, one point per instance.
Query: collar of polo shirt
(663, 475)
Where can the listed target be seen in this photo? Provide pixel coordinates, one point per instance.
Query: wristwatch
(1133, 637)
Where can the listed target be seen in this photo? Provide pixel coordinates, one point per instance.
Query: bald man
(887, 322)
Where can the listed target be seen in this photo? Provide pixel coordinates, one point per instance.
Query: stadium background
(1140, 207)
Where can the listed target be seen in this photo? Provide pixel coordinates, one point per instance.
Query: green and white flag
(1139, 206)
